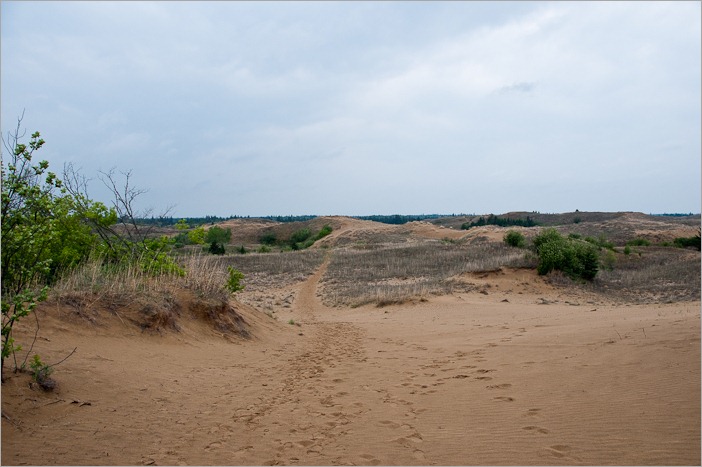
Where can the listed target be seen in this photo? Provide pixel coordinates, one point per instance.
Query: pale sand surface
(459, 380)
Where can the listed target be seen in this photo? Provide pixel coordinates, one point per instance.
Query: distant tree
(216, 248)
(499, 221)
(269, 239)
(218, 235)
(515, 239)
(197, 236)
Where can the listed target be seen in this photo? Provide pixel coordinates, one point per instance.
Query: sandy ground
(459, 380)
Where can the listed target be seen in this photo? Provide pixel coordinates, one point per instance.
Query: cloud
(523, 87)
(261, 103)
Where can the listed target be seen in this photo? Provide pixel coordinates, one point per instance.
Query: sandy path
(457, 380)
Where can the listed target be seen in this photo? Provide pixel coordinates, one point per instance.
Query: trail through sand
(458, 380)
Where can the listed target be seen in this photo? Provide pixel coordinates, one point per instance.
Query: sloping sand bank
(460, 380)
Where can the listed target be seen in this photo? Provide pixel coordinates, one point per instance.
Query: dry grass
(263, 271)
(205, 276)
(401, 273)
(658, 275)
(149, 301)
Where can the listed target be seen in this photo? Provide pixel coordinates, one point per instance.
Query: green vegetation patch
(499, 221)
(577, 259)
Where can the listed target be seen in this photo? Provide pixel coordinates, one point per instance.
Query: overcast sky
(355, 108)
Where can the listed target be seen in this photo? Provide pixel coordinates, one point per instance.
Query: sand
(458, 380)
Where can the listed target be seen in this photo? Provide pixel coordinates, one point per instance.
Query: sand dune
(460, 380)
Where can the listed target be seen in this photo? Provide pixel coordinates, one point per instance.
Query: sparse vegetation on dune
(275, 269)
(397, 274)
(653, 275)
(151, 302)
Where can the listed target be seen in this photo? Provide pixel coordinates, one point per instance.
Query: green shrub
(300, 236)
(326, 230)
(638, 242)
(268, 239)
(609, 260)
(216, 234)
(548, 235)
(234, 281)
(577, 259)
(216, 248)
(41, 373)
(515, 239)
(684, 242)
(627, 250)
(197, 236)
(600, 242)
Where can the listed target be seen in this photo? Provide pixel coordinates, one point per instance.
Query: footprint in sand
(370, 460)
(559, 450)
(213, 446)
(389, 424)
(504, 399)
(537, 429)
(499, 386)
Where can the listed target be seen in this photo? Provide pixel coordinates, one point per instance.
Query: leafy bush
(600, 242)
(268, 239)
(300, 236)
(577, 259)
(46, 229)
(684, 242)
(234, 281)
(515, 239)
(638, 242)
(304, 238)
(197, 236)
(326, 230)
(216, 234)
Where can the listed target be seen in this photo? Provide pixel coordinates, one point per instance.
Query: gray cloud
(523, 87)
(355, 108)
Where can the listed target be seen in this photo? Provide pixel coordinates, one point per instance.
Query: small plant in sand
(41, 373)
(234, 281)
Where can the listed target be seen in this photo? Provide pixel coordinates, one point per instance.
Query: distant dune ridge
(413, 344)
